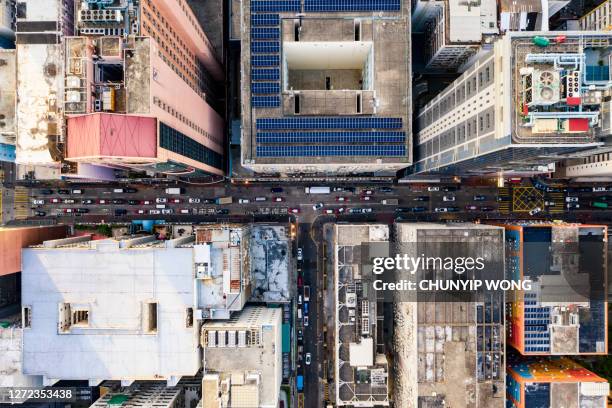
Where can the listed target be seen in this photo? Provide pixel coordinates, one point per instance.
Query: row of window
(157, 101)
(177, 142)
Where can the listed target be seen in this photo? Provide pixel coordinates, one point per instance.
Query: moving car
(56, 200)
(87, 201)
(300, 254)
(63, 191)
(294, 210)
(134, 202)
(421, 198)
(471, 207)
(306, 321)
(598, 189)
(433, 188)
(486, 208)
(571, 199)
(340, 210)
(342, 199)
(385, 190)
(329, 211)
(147, 202)
(366, 198)
(222, 211)
(40, 213)
(175, 200)
(161, 200)
(368, 192)
(306, 293)
(278, 199)
(68, 210)
(317, 206)
(479, 198)
(308, 359)
(38, 202)
(440, 209)
(103, 202)
(448, 198)
(68, 201)
(82, 210)
(118, 201)
(535, 211)
(573, 206)
(194, 200)
(167, 211)
(243, 201)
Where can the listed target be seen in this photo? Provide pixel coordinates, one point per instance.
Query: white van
(260, 198)
(299, 313)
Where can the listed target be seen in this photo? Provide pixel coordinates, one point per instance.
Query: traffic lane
(309, 268)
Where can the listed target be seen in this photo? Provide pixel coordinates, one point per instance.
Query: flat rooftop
(327, 88)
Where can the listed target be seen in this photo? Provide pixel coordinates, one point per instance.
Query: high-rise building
(243, 359)
(143, 89)
(8, 87)
(565, 311)
(41, 26)
(325, 86)
(361, 369)
(453, 30)
(449, 351)
(532, 99)
(553, 382)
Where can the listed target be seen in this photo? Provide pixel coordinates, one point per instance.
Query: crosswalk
(559, 201)
(506, 196)
(21, 203)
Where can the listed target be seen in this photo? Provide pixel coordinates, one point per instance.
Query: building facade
(598, 19)
(454, 30)
(565, 311)
(553, 382)
(519, 108)
(325, 87)
(143, 89)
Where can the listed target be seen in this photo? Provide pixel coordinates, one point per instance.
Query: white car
(448, 198)
(434, 188)
(308, 359)
(549, 203)
(440, 209)
(243, 201)
(167, 211)
(306, 321)
(571, 199)
(194, 200)
(147, 202)
(317, 206)
(599, 189)
(38, 202)
(367, 210)
(329, 211)
(300, 254)
(161, 200)
(184, 211)
(535, 211)
(299, 300)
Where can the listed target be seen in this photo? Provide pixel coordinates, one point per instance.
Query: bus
(599, 204)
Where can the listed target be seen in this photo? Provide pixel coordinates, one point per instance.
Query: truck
(390, 201)
(300, 382)
(318, 190)
(175, 190)
(223, 200)
(306, 293)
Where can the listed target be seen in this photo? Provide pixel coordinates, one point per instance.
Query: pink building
(143, 100)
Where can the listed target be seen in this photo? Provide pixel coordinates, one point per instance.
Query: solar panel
(265, 19)
(265, 101)
(351, 5)
(275, 5)
(331, 137)
(265, 47)
(265, 87)
(265, 33)
(331, 150)
(327, 123)
(263, 74)
(265, 60)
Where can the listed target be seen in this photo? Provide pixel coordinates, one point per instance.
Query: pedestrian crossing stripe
(21, 202)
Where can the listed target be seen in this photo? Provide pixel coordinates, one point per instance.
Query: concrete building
(7, 24)
(565, 312)
(41, 25)
(243, 360)
(519, 108)
(325, 87)
(12, 240)
(143, 394)
(598, 19)
(115, 310)
(553, 382)
(141, 86)
(450, 352)
(360, 365)
(454, 30)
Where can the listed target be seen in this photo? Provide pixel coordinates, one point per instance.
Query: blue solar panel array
(265, 33)
(331, 137)
(331, 150)
(265, 101)
(537, 319)
(265, 20)
(351, 5)
(347, 122)
(265, 88)
(265, 47)
(265, 74)
(275, 6)
(265, 60)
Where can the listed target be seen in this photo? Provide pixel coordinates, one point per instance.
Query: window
(358, 103)
(150, 317)
(488, 121)
(488, 74)
(480, 78)
(357, 30)
(296, 104)
(80, 317)
(481, 123)
(26, 317)
(189, 317)
(175, 141)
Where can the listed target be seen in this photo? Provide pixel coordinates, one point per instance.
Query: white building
(519, 108)
(109, 309)
(7, 23)
(243, 359)
(454, 30)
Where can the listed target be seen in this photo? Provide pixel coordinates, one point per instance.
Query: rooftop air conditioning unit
(546, 86)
